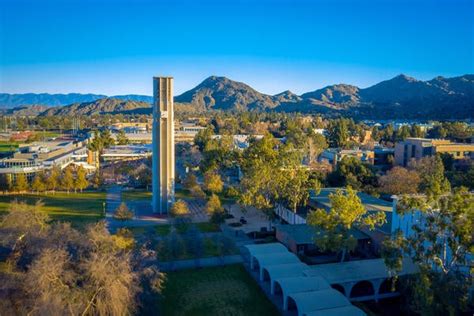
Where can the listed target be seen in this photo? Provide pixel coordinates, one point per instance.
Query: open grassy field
(8, 146)
(214, 291)
(78, 208)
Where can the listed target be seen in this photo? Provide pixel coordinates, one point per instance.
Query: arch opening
(362, 288)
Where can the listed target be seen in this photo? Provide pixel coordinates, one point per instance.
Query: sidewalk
(144, 215)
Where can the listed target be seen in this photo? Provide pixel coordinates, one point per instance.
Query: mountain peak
(223, 93)
(286, 96)
(403, 77)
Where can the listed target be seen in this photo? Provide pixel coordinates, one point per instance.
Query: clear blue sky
(116, 46)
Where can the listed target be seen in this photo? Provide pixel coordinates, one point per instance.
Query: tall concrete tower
(163, 144)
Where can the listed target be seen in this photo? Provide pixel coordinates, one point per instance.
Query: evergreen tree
(122, 138)
(338, 133)
(123, 213)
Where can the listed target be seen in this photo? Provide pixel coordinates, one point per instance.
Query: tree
(338, 133)
(438, 131)
(333, 227)
(352, 172)
(101, 141)
(179, 208)
(144, 177)
(197, 192)
(122, 213)
(438, 243)
(296, 188)
(213, 182)
(190, 181)
(107, 139)
(316, 144)
(403, 133)
(203, 137)
(5, 182)
(399, 180)
(416, 131)
(56, 270)
(97, 180)
(52, 180)
(431, 171)
(21, 183)
(81, 182)
(262, 178)
(213, 205)
(122, 138)
(67, 180)
(38, 183)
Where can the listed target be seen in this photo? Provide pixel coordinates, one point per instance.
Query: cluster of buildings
(402, 153)
(28, 159)
(417, 148)
(312, 281)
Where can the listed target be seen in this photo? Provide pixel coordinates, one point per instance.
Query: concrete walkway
(144, 215)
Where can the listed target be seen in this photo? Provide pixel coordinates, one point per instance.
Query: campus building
(41, 156)
(334, 155)
(417, 148)
(298, 236)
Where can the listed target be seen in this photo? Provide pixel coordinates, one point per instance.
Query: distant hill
(134, 97)
(15, 100)
(286, 96)
(26, 110)
(221, 93)
(400, 97)
(403, 96)
(101, 106)
(339, 95)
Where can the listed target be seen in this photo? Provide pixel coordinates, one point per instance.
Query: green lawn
(8, 146)
(163, 230)
(226, 290)
(205, 227)
(146, 195)
(210, 249)
(136, 195)
(78, 208)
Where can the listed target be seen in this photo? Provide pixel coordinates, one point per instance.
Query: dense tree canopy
(400, 180)
(333, 228)
(56, 270)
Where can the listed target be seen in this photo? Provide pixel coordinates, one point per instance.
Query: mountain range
(399, 97)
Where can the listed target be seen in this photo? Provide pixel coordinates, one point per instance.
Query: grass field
(78, 208)
(8, 146)
(214, 291)
(146, 195)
